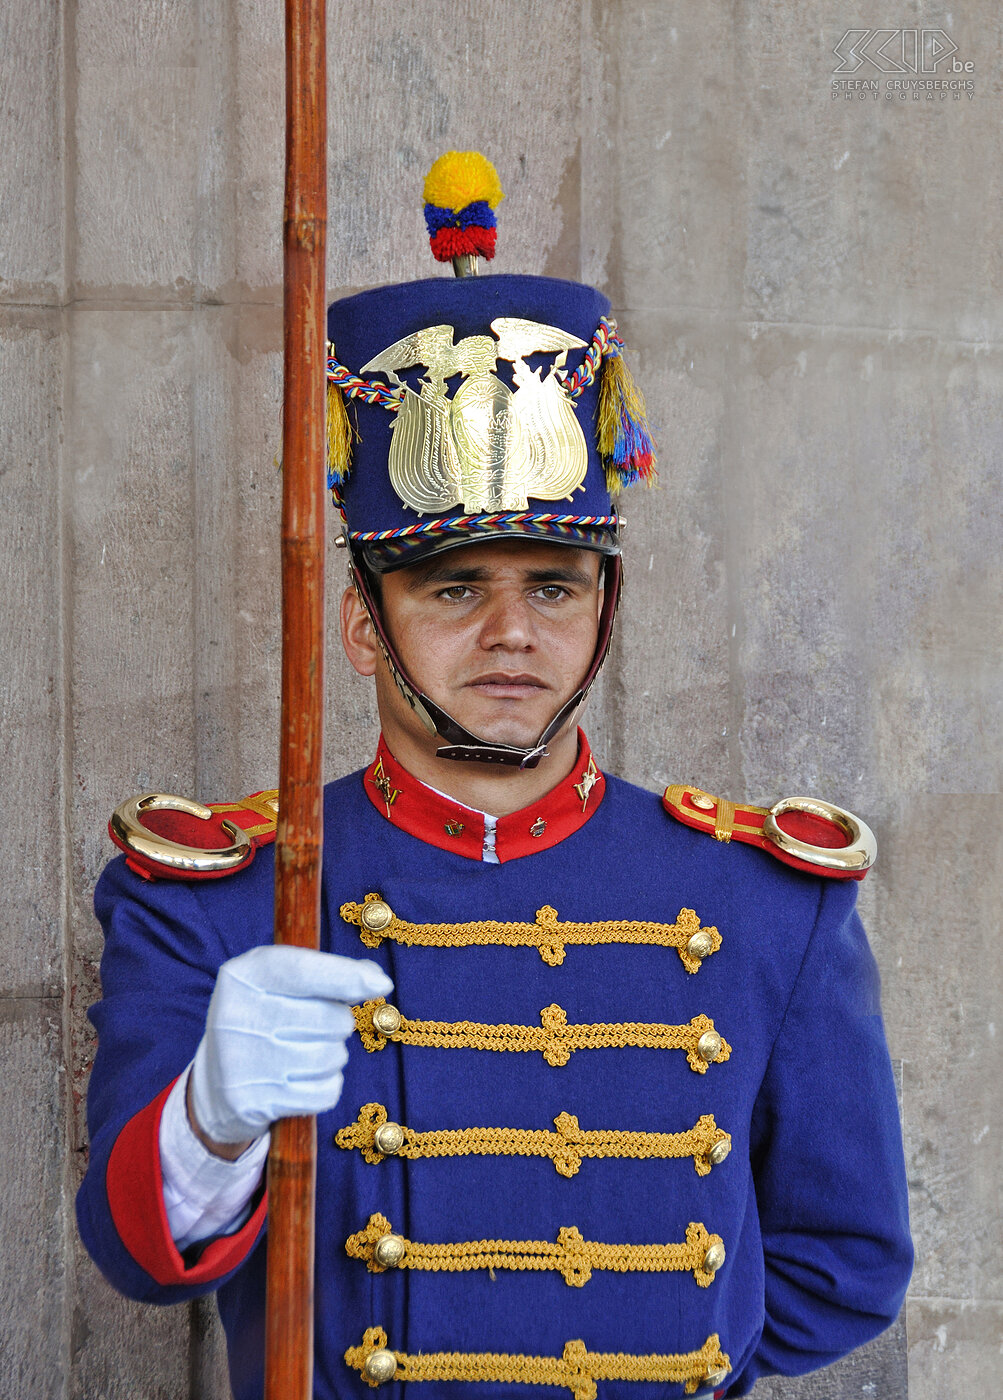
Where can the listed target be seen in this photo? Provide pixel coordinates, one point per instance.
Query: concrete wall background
(811, 290)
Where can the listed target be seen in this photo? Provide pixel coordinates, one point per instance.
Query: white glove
(275, 1033)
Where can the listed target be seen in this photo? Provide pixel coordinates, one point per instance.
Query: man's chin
(521, 731)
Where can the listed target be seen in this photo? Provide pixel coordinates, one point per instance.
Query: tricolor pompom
(462, 191)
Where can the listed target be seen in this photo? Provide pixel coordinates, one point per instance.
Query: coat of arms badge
(488, 446)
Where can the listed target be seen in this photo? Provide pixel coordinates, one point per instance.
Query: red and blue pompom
(462, 191)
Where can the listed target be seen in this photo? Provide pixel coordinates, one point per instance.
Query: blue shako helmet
(476, 409)
(484, 438)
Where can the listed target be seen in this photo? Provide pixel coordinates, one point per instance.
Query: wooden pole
(292, 1162)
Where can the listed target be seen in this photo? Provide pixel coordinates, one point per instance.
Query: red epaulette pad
(804, 832)
(172, 838)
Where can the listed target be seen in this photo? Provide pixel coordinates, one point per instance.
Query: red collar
(422, 812)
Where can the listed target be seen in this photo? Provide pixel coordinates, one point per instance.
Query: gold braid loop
(573, 1257)
(566, 1148)
(553, 1038)
(547, 934)
(577, 1369)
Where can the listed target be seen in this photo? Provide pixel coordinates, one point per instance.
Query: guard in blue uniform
(615, 1116)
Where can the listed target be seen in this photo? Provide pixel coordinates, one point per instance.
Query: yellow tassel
(459, 178)
(624, 439)
(339, 437)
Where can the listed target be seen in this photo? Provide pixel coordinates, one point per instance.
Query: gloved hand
(275, 1033)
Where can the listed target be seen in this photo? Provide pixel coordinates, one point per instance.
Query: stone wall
(811, 291)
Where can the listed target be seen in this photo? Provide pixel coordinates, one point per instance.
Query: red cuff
(136, 1197)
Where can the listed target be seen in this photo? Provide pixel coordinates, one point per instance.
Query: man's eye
(552, 592)
(456, 592)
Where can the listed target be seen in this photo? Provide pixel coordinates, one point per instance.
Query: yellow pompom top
(459, 178)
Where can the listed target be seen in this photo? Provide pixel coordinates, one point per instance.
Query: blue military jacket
(809, 1204)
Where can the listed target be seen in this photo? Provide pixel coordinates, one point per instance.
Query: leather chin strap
(459, 743)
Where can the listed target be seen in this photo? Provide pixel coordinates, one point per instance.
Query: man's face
(499, 635)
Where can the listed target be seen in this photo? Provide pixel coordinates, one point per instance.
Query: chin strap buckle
(478, 752)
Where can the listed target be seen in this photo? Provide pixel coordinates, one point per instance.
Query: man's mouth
(502, 685)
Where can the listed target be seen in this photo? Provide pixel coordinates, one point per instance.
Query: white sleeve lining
(204, 1195)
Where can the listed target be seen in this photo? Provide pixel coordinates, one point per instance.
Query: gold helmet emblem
(488, 446)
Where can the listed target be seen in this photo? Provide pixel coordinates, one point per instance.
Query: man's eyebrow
(563, 573)
(443, 573)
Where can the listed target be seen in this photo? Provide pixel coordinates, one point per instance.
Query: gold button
(701, 945)
(716, 1155)
(389, 1138)
(380, 1366)
(389, 1251)
(386, 1019)
(712, 1260)
(708, 1046)
(717, 1378)
(376, 916)
(699, 799)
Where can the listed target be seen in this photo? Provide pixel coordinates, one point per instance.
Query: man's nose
(508, 623)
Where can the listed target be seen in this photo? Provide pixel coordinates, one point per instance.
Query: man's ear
(357, 635)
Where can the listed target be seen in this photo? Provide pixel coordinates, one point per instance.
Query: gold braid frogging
(554, 1038)
(577, 1369)
(572, 1257)
(547, 935)
(566, 1148)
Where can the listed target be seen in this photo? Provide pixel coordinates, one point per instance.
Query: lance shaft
(293, 1157)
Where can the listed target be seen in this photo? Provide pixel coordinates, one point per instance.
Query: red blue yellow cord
(478, 522)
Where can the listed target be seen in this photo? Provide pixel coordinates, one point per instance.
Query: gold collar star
(382, 783)
(589, 779)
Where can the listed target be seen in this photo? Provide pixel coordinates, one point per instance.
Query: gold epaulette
(173, 838)
(803, 832)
